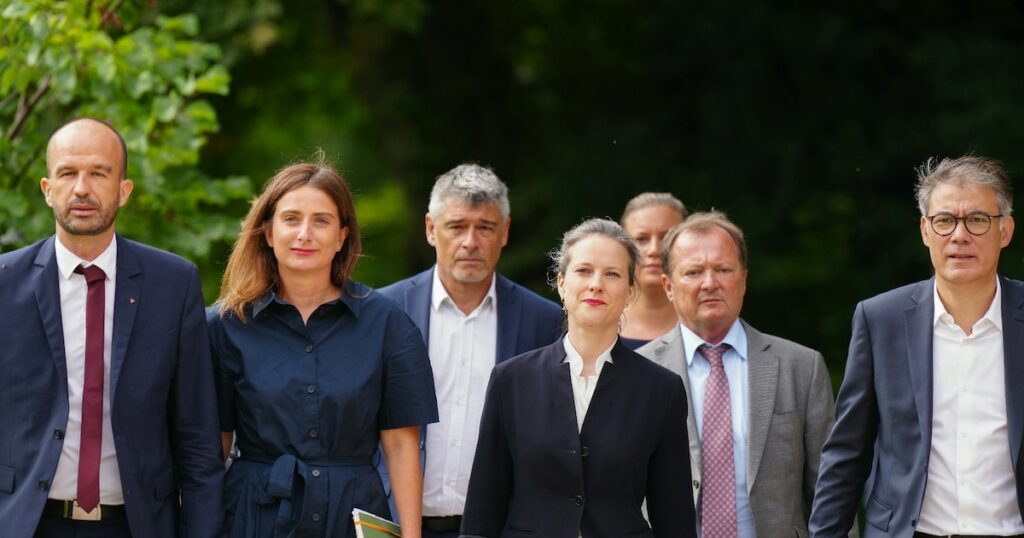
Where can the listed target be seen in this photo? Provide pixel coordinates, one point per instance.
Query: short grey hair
(472, 184)
(963, 171)
(560, 258)
(652, 199)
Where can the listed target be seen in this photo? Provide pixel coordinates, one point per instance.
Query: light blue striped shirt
(735, 363)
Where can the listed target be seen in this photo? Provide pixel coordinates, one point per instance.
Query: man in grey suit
(930, 416)
(759, 480)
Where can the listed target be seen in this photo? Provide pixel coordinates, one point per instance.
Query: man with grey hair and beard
(930, 415)
(471, 318)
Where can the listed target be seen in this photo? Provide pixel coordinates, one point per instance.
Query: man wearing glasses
(932, 405)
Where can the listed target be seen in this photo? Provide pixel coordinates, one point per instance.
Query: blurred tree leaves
(803, 123)
(150, 76)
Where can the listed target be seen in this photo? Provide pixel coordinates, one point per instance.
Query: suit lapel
(47, 292)
(763, 381)
(668, 351)
(563, 404)
(417, 302)
(508, 317)
(609, 382)
(1013, 360)
(919, 319)
(127, 296)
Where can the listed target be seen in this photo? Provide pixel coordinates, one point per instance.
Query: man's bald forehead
(88, 120)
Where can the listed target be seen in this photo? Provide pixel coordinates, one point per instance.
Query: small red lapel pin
(131, 300)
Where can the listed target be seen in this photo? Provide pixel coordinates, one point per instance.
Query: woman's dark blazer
(535, 474)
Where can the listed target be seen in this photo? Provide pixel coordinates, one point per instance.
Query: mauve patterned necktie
(92, 392)
(718, 504)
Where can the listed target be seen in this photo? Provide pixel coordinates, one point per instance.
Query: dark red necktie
(92, 393)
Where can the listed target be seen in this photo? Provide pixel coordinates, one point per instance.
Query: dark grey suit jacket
(884, 413)
(790, 413)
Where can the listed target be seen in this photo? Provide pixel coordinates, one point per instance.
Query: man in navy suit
(109, 423)
(930, 416)
(471, 318)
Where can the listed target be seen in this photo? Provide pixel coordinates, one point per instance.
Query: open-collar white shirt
(583, 387)
(463, 349)
(971, 486)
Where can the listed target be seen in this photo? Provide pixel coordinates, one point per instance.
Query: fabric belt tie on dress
(289, 482)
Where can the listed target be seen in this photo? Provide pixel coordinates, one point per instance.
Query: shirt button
(578, 500)
(309, 348)
(311, 388)
(316, 473)
(44, 485)
(58, 434)
(316, 516)
(313, 433)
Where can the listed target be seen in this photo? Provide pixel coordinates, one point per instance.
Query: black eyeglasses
(977, 223)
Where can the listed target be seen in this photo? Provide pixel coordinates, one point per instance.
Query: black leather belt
(926, 535)
(442, 524)
(71, 510)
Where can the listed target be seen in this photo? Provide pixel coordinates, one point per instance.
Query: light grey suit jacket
(791, 412)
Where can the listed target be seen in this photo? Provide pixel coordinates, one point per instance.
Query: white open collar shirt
(971, 487)
(583, 386)
(463, 351)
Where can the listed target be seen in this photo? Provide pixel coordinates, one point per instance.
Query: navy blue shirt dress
(307, 403)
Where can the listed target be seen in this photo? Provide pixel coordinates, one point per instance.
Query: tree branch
(25, 107)
(109, 16)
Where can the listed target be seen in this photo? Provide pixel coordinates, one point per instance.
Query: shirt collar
(349, 297)
(67, 261)
(736, 338)
(575, 360)
(994, 314)
(438, 295)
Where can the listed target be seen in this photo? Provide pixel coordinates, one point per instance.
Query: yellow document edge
(357, 518)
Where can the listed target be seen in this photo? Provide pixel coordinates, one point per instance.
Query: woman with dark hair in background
(647, 218)
(576, 434)
(314, 370)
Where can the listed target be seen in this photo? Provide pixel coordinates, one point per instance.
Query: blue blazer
(163, 404)
(881, 440)
(525, 321)
(536, 474)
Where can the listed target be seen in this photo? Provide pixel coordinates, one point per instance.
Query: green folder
(371, 526)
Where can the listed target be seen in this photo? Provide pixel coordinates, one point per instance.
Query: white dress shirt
(73, 290)
(463, 351)
(735, 364)
(583, 386)
(971, 487)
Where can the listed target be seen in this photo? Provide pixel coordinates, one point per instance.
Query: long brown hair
(252, 267)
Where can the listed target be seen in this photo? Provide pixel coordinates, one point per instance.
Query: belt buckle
(79, 514)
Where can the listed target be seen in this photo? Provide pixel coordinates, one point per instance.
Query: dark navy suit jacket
(525, 321)
(881, 440)
(536, 474)
(163, 404)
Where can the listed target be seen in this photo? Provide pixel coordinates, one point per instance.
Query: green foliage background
(804, 123)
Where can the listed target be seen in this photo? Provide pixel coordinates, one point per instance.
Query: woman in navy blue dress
(314, 370)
